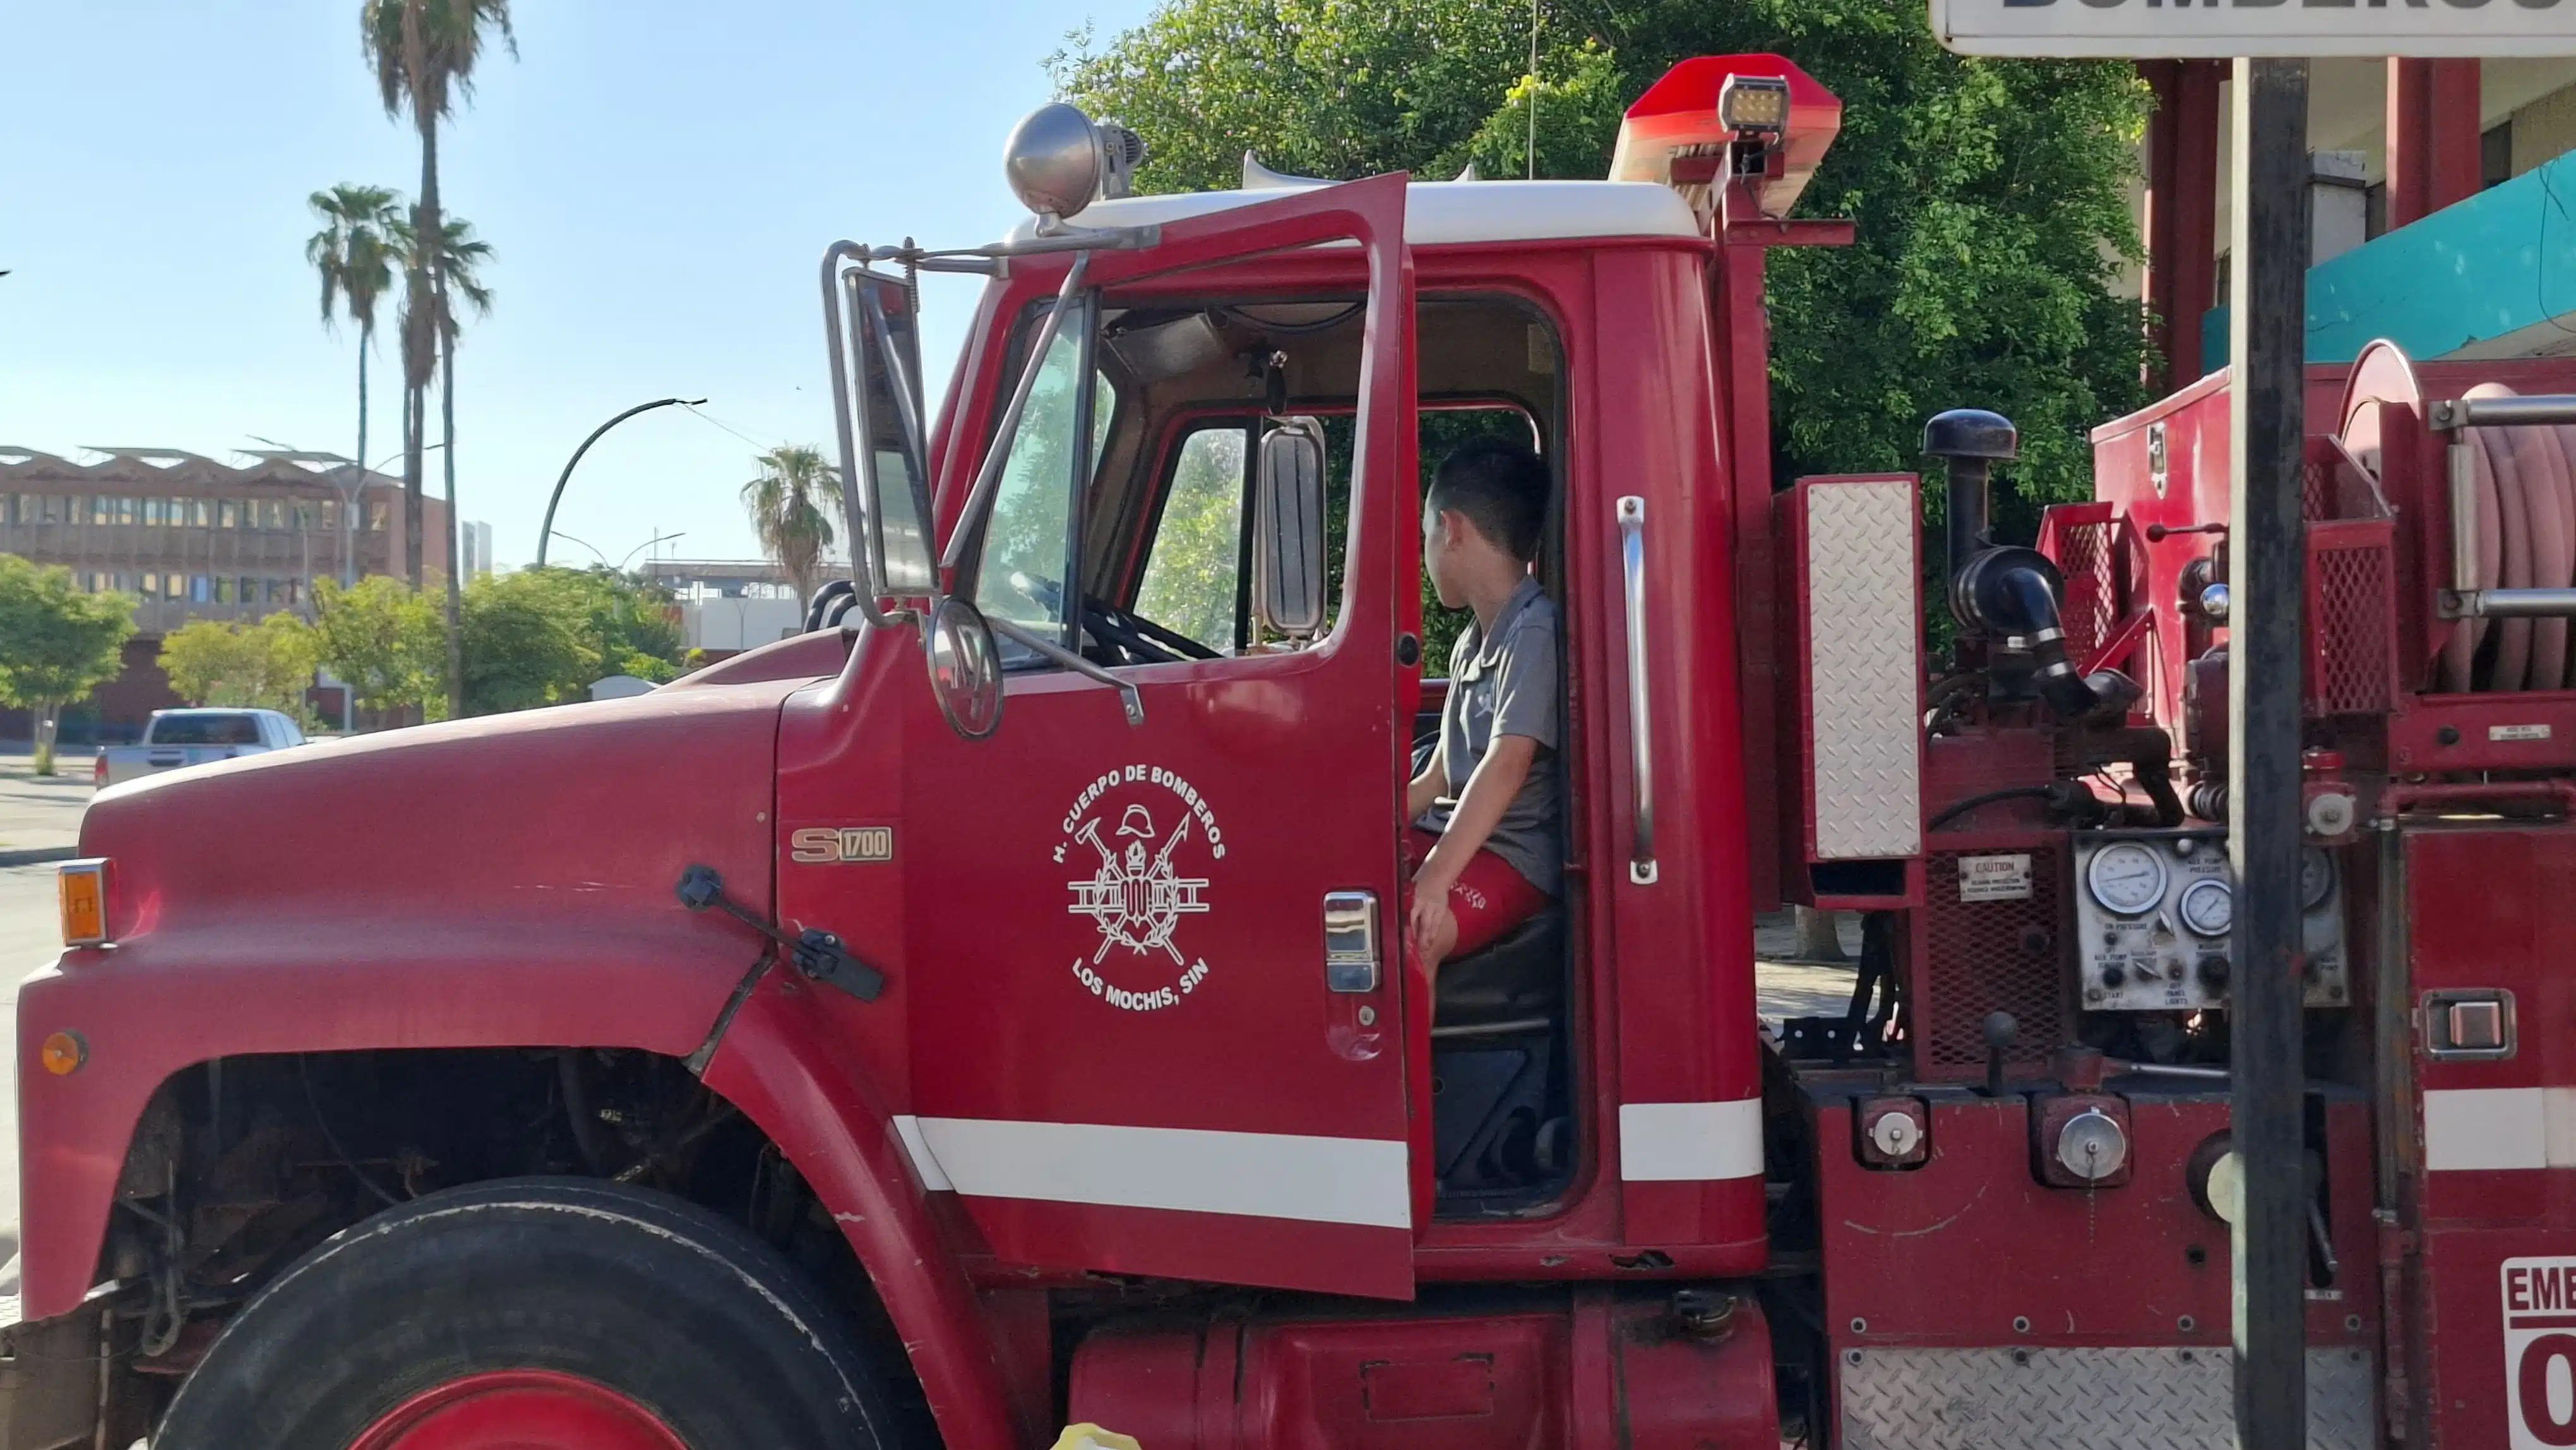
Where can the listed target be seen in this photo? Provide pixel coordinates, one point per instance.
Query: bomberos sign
(2206, 28)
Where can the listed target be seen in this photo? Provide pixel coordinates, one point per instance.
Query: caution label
(1994, 878)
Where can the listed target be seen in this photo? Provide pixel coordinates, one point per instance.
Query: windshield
(1029, 539)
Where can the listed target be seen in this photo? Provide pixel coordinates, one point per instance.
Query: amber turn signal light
(82, 887)
(63, 1053)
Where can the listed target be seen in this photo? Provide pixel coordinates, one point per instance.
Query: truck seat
(1519, 979)
(1500, 1136)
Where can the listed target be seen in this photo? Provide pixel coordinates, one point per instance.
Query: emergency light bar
(1682, 130)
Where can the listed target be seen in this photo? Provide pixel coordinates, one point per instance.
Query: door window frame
(1185, 426)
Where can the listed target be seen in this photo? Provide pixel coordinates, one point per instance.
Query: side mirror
(885, 489)
(965, 668)
(1288, 529)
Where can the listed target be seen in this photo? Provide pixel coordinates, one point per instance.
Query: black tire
(678, 1310)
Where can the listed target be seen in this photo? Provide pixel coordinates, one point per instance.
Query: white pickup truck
(175, 739)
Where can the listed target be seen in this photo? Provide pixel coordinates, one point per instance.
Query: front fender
(175, 999)
(780, 1065)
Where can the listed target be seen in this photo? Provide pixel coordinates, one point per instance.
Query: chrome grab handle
(1641, 735)
(1350, 941)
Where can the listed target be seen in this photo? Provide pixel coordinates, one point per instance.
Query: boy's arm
(1481, 805)
(1426, 787)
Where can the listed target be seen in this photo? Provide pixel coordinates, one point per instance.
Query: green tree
(424, 53)
(383, 639)
(544, 636)
(56, 644)
(1991, 195)
(637, 623)
(787, 503)
(458, 261)
(531, 640)
(354, 254)
(264, 665)
(1190, 580)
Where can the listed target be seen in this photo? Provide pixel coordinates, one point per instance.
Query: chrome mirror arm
(1128, 695)
(855, 510)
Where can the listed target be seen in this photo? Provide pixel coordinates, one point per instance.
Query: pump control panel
(2152, 914)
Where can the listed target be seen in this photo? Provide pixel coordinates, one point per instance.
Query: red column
(2182, 211)
(2432, 136)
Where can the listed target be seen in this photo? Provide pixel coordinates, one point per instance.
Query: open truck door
(1169, 1014)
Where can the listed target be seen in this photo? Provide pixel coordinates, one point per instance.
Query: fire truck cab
(989, 1010)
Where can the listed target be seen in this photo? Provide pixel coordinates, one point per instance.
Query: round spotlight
(1053, 160)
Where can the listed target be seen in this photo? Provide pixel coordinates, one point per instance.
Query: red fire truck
(988, 1010)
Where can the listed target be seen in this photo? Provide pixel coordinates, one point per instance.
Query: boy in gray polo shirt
(1484, 809)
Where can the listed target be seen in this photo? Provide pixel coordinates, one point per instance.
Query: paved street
(35, 813)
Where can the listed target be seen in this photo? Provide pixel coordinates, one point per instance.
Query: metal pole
(2268, 546)
(547, 534)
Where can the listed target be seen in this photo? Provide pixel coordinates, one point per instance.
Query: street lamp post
(648, 543)
(546, 534)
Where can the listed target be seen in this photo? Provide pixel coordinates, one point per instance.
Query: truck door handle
(1641, 737)
(1350, 941)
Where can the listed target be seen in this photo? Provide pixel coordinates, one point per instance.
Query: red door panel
(1125, 1056)
(2497, 1206)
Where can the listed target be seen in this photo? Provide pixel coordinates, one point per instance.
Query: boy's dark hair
(1502, 489)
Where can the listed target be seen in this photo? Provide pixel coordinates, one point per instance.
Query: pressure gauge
(2126, 878)
(2208, 908)
(2316, 878)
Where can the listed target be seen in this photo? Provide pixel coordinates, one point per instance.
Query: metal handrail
(2463, 600)
(2503, 412)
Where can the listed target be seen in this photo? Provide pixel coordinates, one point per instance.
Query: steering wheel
(1141, 638)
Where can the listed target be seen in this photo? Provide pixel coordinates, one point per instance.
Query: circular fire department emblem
(1145, 836)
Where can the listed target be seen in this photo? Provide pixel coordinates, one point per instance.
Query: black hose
(1956, 809)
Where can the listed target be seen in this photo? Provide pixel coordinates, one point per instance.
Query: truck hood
(541, 818)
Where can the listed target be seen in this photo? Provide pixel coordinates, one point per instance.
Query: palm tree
(424, 52)
(793, 527)
(457, 261)
(354, 253)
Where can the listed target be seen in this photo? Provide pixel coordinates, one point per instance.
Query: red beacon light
(1771, 119)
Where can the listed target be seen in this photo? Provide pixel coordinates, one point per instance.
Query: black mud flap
(50, 1385)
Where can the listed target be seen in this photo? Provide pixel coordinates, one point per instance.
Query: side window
(1020, 576)
(1193, 583)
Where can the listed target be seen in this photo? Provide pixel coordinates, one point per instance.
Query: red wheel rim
(518, 1409)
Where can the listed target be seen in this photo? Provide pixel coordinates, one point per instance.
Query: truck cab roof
(1446, 212)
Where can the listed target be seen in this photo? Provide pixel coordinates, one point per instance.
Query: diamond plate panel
(2081, 1399)
(1861, 670)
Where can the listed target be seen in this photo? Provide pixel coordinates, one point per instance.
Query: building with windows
(474, 545)
(2440, 191)
(729, 605)
(192, 538)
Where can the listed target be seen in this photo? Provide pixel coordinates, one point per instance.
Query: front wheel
(535, 1312)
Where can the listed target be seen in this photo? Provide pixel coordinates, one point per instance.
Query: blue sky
(659, 179)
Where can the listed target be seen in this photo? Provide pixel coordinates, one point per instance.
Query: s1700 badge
(1152, 836)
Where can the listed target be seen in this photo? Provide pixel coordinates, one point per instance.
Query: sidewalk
(40, 815)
